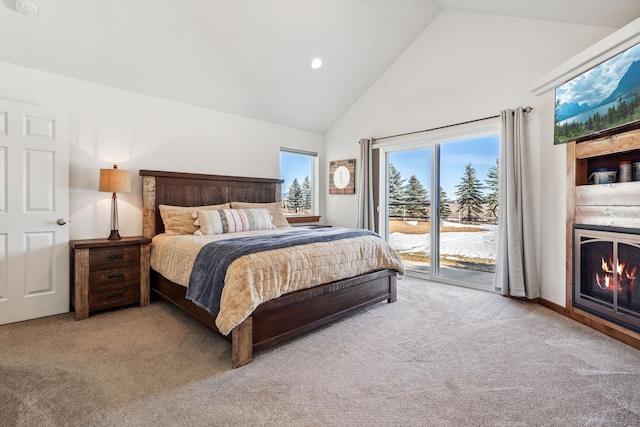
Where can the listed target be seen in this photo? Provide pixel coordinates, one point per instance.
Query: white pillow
(233, 221)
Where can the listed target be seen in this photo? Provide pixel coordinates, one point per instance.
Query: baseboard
(601, 325)
(553, 306)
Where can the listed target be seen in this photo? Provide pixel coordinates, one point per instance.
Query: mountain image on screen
(605, 97)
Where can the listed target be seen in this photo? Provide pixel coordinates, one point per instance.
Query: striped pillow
(234, 220)
(275, 209)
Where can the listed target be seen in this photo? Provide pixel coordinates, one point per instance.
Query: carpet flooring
(440, 356)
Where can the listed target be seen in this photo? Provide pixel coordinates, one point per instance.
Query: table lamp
(114, 181)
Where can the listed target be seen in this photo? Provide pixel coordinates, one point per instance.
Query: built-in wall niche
(589, 167)
(605, 153)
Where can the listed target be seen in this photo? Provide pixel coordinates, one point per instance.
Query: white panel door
(34, 195)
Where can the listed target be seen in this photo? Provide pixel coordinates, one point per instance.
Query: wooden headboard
(190, 189)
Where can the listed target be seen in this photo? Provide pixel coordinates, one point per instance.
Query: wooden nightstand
(109, 273)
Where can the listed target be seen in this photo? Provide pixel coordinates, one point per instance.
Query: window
(298, 170)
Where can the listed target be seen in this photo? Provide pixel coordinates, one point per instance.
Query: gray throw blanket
(213, 260)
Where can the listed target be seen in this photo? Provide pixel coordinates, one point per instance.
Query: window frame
(313, 176)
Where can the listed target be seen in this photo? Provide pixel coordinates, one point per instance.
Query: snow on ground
(458, 225)
(476, 244)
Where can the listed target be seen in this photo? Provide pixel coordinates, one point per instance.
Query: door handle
(61, 221)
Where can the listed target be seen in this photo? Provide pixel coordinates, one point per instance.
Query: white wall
(467, 66)
(464, 66)
(140, 132)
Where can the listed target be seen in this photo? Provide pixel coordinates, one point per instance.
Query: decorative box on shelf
(109, 273)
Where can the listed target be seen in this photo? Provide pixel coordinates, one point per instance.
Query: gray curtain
(515, 264)
(364, 188)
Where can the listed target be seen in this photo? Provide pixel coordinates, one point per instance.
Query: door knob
(61, 221)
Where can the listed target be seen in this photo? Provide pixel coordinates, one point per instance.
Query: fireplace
(606, 263)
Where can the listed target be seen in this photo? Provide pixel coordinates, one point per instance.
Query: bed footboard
(289, 315)
(293, 314)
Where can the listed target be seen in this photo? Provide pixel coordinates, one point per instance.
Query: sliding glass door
(441, 206)
(468, 225)
(409, 207)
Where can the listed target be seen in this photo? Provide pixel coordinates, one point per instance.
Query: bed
(274, 320)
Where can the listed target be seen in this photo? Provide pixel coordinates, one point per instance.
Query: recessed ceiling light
(316, 63)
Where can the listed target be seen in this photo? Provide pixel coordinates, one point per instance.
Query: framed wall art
(342, 176)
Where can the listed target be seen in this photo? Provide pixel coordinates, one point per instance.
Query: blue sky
(599, 82)
(292, 166)
(480, 152)
(454, 156)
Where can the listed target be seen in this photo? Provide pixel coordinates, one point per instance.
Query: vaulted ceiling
(251, 57)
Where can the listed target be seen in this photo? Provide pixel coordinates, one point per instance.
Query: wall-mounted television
(602, 99)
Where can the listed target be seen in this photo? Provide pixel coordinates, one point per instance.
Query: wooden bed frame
(273, 321)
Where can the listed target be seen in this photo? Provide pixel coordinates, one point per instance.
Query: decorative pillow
(179, 220)
(233, 221)
(275, 209)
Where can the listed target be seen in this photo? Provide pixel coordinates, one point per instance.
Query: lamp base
(114, 235)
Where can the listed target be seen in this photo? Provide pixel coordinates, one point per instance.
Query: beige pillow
(179, 219)
(275, 209)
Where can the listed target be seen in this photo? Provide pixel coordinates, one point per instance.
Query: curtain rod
(526, 110)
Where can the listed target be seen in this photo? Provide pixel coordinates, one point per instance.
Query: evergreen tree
(295, 201)
(416, 197)
(493, 185)
(396, 192)
(306, 194)
(469, 194)
(445, 210)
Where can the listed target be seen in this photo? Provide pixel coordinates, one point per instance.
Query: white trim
(315, 190)
(434, 266)
(383, 212)
(296, 151)
(624, 38)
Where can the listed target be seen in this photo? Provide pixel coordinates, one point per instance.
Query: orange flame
(622, 272)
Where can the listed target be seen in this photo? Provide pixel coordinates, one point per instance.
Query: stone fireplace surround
(612, 205)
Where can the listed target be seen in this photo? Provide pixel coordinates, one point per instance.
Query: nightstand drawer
(109, 257)
(114, 296)
(111, 277)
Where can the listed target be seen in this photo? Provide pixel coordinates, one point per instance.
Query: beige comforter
(256, 278)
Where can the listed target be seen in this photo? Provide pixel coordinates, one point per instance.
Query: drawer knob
(115, 255)
(116, 295)
(116, 276)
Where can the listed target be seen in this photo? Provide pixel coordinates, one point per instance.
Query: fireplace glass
(606, 261)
